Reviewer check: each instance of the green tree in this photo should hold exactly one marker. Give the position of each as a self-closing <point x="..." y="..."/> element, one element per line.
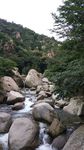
<point x="70" y="23"/>
<point x="6" y="65"/>
<point x="67" y="67"/>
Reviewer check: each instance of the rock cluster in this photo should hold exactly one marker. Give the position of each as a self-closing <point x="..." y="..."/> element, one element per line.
<point x="24" y="131"/>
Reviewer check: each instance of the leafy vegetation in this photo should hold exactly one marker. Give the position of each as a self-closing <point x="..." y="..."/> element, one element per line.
<point x="6" y="65"/>
<point x="62" y="62"/>
<point x="66" y="69"/>
<point x="23" y="47"/>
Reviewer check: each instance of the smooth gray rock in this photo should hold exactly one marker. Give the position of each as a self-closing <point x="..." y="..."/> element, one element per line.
<point x="33" y="79"/>
<point x="5" y="122"/>
<point x="76" y="106"/>
<point x="56" y="128"/>
<point x="76" y="140"/>
<point x="43" y="112"/>
<point x="8" y="84"/>
<point x="23" y="134"/>
<point x="59" y="142"/>
<point x="14" y="97"/>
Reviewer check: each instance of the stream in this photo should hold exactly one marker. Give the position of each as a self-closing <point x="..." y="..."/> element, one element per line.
<point x="30" y="98"/>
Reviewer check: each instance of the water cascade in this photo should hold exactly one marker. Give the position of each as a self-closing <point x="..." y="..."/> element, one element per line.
<point x="30" y="99"/>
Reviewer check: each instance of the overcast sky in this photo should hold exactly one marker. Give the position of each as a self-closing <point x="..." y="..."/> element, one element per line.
<point x="34" y="14"/>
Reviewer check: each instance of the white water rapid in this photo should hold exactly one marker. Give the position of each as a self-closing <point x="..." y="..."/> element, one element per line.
<point x="30" y="99"/>
<point x="44" y="137"/>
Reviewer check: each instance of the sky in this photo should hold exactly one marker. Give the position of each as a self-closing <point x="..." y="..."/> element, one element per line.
<point x="34" y="14"/>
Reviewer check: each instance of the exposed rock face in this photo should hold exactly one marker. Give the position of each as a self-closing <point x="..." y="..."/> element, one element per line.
<point x="59" y="142"/>
<point x="8" y="47"/>
<point x="76" y="140"/>
<point x="14" y="97"/>
<point x="5" y="122"/>
<point x="43" y="112"/>
<point x="18" y="36"/>
<point x="9" y="84"/>
<point x="76" y="106"/>
<point x="23" y="134"/>
<point x="33" y="78"/>
<point x="56" y="128"/>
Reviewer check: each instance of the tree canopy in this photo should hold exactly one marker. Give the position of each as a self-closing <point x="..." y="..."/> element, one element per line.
<point x="70" y="20"/>
<point x="23" y="47"/>
<point x="67" y="67"/>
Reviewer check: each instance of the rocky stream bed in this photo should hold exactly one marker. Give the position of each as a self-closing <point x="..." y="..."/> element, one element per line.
<point x="34" y="119"/>
<point x="46" y="141"/>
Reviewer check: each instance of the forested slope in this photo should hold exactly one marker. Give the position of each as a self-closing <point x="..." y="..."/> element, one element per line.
<point x="23" y="48"/>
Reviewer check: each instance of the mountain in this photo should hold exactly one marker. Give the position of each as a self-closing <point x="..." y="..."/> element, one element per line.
<point x="24" y="48"/>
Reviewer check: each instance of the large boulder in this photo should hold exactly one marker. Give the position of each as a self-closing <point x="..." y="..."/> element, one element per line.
<point x="14" y="97"/>
<point x="56" y="128"/>
<point x="45" y="100"/>
<point x="76" y="106"/>
<point x="59" y="142"/>
<point x="17" y="77"/>
<point x="5" y="122"/>
<point x="76" y="140"/>
<point x="18" y="106"/>
<point x="41" y="95"/>
<point x="8" y="84"/>
<point x="33" y="78"/>
<point x="43" y="112"/>
<point x="43" y="87"/>
<point x="68" y="119"/>
<point x="23" y="134"/>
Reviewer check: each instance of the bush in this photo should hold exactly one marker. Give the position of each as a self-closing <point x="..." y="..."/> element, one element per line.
<point x="66" y="70"/>
<point x="6" y="65"/>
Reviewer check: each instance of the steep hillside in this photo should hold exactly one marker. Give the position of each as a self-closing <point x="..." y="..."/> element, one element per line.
<point x="24" y="48"/>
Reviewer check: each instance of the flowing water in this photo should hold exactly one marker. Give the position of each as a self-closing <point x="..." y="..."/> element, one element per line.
<point x="30" y="99"/>
<point x="4" y="141"/>
<point x="44" y="138"/>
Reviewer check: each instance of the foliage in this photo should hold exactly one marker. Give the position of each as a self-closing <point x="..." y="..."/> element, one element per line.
<point x="70" y="19"/>
<point x="6" y="65"/>
<point x="66" y="69"/>
<point x="24" y="47"/>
